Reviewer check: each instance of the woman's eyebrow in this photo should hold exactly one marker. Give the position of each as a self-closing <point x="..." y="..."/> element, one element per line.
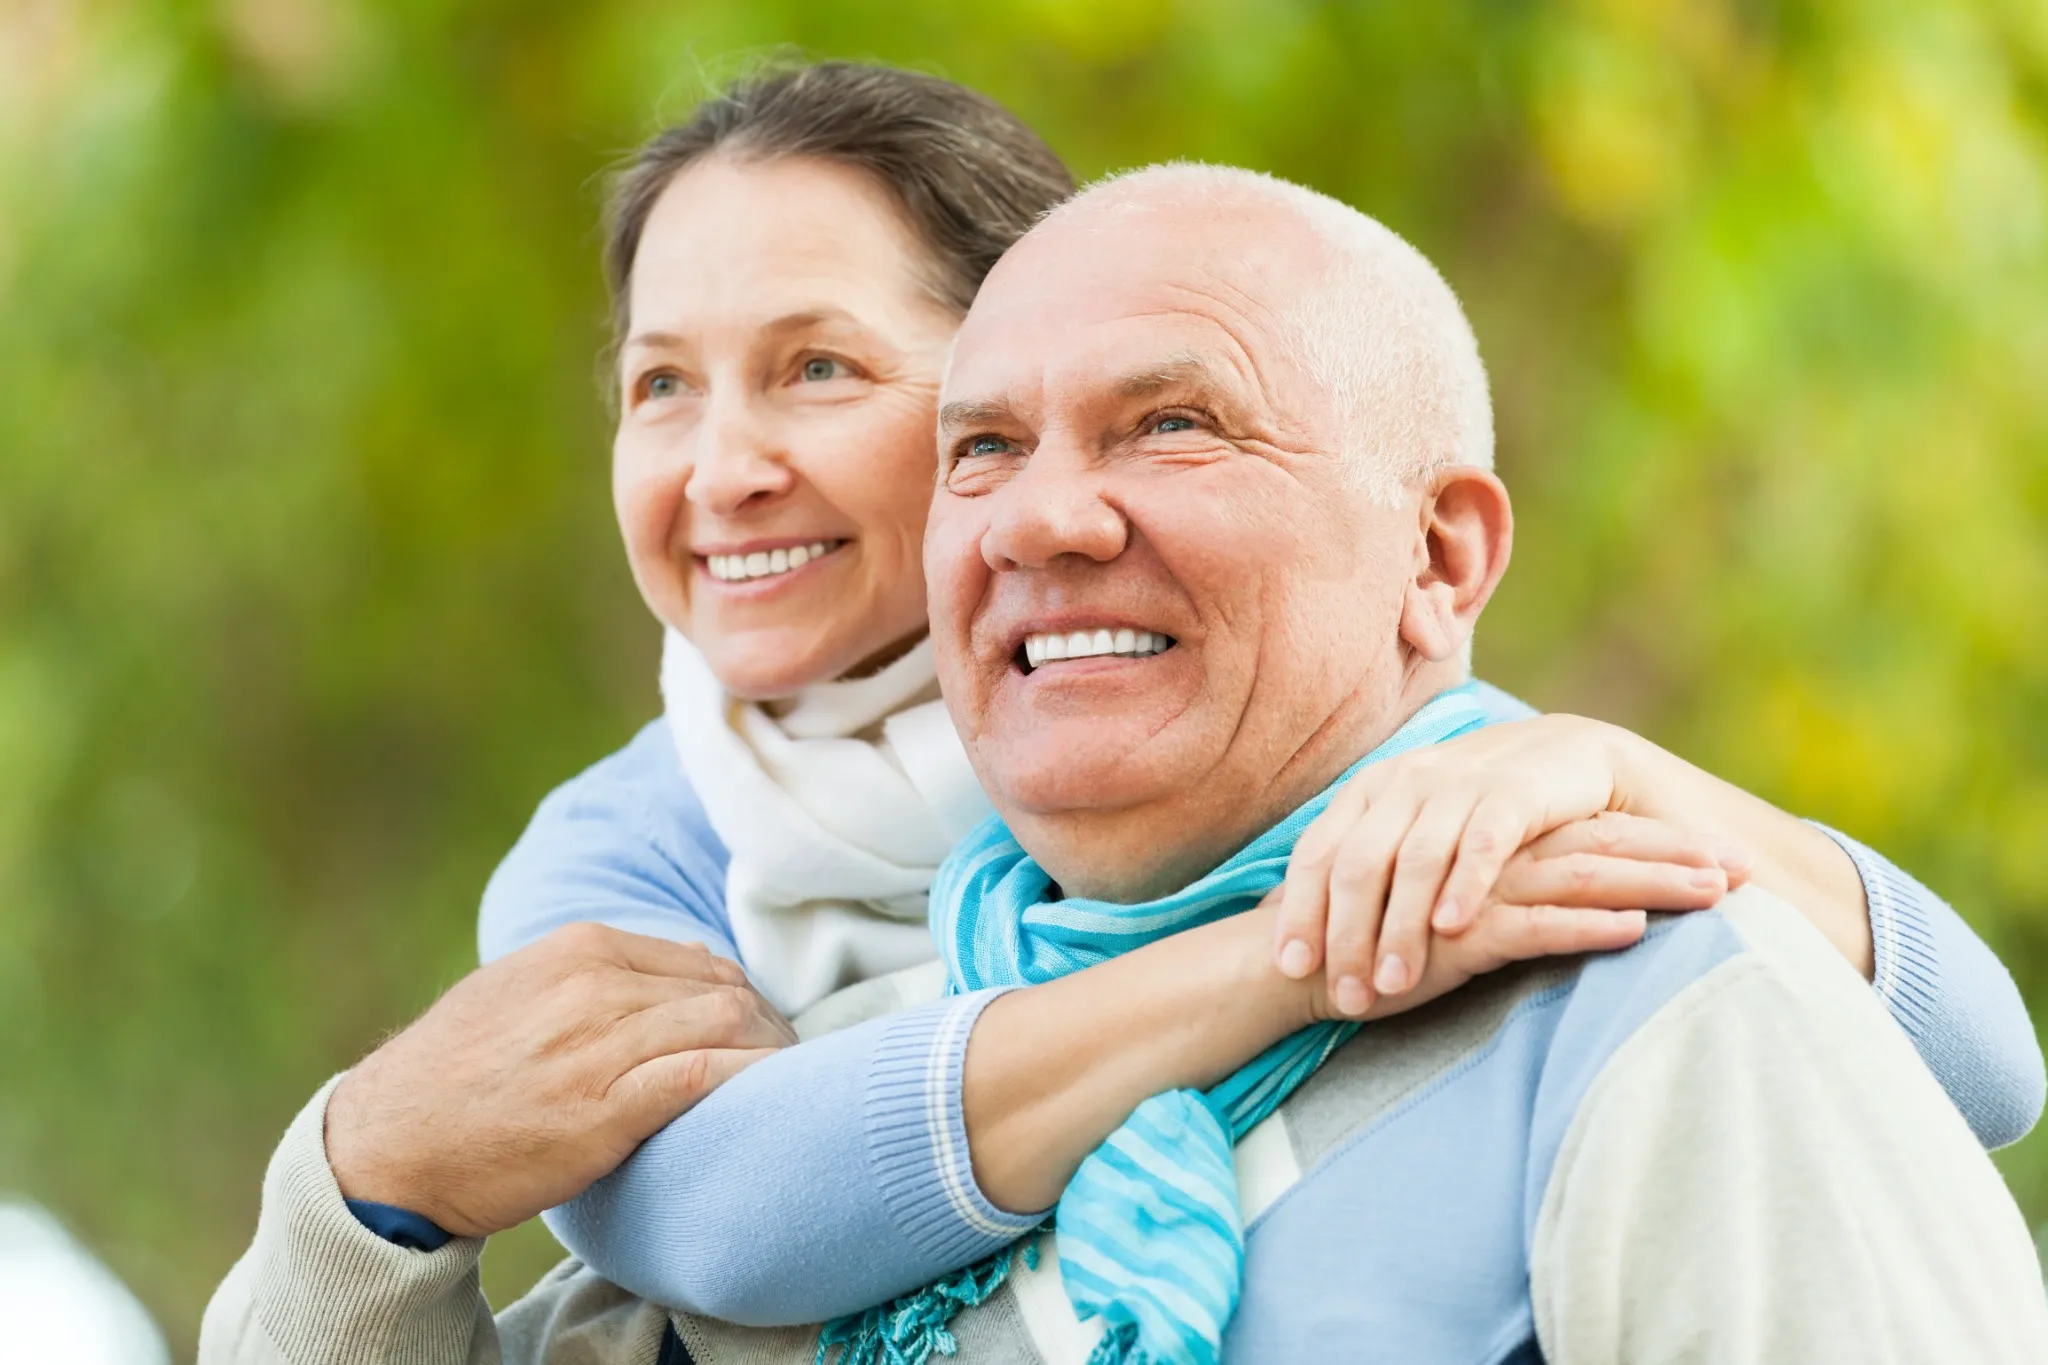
<point x="799" y="321"/>
<point x="652" y="341"/>
<point x="807" y="318"/>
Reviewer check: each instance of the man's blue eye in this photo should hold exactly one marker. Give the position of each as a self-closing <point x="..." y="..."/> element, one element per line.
<point x="820" y="368"/>
<point x="1174" y="424"/>
<point x="664" y="386"/>
<point x="987" y="445"/>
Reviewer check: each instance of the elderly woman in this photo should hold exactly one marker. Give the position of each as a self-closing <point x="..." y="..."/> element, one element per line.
<point x="788" y="268"/>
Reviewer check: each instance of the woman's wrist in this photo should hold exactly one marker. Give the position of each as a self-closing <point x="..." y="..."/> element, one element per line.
<point x="1786" y="856"/>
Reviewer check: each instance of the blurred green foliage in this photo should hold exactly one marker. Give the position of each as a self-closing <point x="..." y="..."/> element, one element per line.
<point x="308" y="587"/>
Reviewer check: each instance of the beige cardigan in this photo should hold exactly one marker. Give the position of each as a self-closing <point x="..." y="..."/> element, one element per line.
<point x="1897" y="1240"/>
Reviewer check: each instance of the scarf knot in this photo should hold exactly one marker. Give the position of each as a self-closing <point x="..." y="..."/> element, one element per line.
<point x="1150" y="1237"/>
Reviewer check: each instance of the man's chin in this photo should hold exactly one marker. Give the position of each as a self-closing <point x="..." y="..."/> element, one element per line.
<point x="1071" y="766"/>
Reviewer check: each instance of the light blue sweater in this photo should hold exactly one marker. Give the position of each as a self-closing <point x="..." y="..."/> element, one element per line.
<point x="835" y="1174"/>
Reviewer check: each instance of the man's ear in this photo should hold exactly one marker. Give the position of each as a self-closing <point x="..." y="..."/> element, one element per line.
<point x="1468" y="531"/>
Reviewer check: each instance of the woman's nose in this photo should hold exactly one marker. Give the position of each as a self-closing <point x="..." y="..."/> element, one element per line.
<point x="737" y="462"/>
<point x="1052" y="507"/>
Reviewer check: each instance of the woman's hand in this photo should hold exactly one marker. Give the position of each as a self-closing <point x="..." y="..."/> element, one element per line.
<point x="1583" y="888"/>
<point x="1415" y="844"/>
<point x="537" y="1074"/>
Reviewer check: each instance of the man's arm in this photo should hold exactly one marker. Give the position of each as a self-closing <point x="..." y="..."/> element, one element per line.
<point x="1765" y="1172"/>
<point x="318" y="1288"/>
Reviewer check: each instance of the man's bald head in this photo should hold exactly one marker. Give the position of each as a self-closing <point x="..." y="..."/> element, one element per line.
<point x="1212" y="516"/>
<point x="1370" y="318"/>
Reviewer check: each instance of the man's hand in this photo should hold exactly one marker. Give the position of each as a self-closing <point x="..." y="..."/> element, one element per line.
<point x="535" y="1075"/>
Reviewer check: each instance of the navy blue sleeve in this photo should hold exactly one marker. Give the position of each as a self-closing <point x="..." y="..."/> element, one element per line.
<point x="401" y="1227"/>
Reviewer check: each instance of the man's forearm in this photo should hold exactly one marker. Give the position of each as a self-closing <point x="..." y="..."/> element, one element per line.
<point x="318" y="1288"/>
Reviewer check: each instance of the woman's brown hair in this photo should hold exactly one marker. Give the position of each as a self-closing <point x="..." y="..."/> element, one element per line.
<point x="971" y="177"/>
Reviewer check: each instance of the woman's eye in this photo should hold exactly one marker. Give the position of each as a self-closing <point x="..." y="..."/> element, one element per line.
<point x="663" y="386"/>
<point x="820" y="368"/>
<point x="1171" y="424"/>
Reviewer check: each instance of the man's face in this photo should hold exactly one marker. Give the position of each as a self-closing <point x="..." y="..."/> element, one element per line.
<point x="1127" y="449"/>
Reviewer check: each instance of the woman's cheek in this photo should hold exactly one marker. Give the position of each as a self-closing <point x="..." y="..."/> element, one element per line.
<point x="646" y="508"/>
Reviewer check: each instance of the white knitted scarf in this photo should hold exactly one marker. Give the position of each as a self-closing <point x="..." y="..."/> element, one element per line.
<point x="836" y="807"/>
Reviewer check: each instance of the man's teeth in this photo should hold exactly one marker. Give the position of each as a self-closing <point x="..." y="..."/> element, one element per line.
<point x="767" y="563"/>
<point x="1089" y="644"/>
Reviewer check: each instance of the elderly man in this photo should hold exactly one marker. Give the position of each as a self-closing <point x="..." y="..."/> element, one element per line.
<point x="1712" y="1146"/>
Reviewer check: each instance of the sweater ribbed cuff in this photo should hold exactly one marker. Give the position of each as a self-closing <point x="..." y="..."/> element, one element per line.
<point x="327" y="1289"/>
<point x="1906" y="962"/>
<point x="917" y="1135"/>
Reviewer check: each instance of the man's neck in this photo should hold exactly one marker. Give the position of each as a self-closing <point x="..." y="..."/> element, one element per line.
<point x="1145" y="853"/>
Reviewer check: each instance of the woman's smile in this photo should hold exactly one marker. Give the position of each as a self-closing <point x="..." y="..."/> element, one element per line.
<point x="755" y="568"/>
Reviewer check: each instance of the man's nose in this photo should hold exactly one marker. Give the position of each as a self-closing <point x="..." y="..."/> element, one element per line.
<point x="736" y="461"/>
<point x="1054" y="506"/>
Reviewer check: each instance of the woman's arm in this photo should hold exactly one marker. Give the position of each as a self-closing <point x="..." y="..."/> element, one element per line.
<point x="1954" y="998"/>
<point x="1427" y="832"/>
<point x="1950" y="993"/>
<point x="847" y="1170"/>
<point x="837" y="1174"/>
<point x="850" y="1146"/>
<point x="771" y="1173"/>
<point x="624" y="843"/>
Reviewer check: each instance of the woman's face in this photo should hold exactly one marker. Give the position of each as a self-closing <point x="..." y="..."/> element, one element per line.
<point x="775" y="452"/>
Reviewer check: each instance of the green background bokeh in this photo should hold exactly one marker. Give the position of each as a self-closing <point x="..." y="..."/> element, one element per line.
<point x="308" y="583"/>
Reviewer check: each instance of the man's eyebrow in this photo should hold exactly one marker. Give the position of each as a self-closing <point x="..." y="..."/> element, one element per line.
<point x="798" y="321"/>
<point x="985" y="412"/>
<point x="1183" y="369"/>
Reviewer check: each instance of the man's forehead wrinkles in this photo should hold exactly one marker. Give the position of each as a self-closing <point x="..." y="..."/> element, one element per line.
<point x="1248" y="342"/>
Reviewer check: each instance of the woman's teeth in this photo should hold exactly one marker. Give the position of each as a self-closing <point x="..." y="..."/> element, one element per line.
<point x="1089" y="644"/>
<point x="767" y="563"/>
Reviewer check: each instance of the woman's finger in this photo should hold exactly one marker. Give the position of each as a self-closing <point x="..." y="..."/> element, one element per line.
<point x="1421" y="863"/>
<point x="1305" y="894"/>
<point x="1359" y="875"/>
<point x="1519" y="933"/>
<point x="1614" y="834"/>
<point x="1491" y="836"/>
<point x="1592" y="881"/>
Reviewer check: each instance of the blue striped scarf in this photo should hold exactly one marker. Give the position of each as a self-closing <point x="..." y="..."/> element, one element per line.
<point x="1150" y="1238"/>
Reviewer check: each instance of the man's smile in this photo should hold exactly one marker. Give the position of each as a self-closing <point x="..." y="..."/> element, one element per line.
<point x="1111" y="642"/>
